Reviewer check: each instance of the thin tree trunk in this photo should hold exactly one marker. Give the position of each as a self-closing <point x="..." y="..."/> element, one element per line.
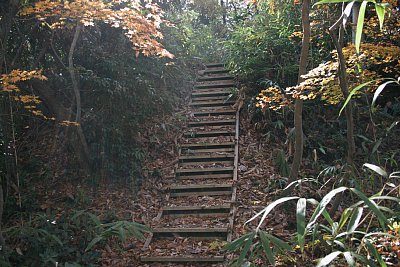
<point x="84" y="154"/>
<point x="298" y="106"/>
<point x="344" y="87"/>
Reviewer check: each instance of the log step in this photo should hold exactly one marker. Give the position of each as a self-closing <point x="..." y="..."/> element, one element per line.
<point x="215" y="71"/>
<point x="215" y="65"/>
<point x="196" y="211"/>
<point x="212" y="123"/>
<point x="207" y="113"/>
<point x="206" y="158"/>
<point x="220" y="84"/>
<point x="203" y="170"/>
<point x="213" y="104"/>
<point x="183" y="259"/>
<point x="208" y="145"/>
<point x="214" y="78"/>
<point x="215" y="92"/>
<point x="208" y="134"/>
<point x="209" y="98"/>
<point x="195" y="233"/>
<point x="199" y="187"/>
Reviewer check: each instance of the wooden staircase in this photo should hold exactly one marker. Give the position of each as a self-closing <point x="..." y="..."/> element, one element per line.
<point x="199" y="205"/>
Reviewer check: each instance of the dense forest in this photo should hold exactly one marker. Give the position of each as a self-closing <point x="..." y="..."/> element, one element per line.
<point x="94" y="96"/>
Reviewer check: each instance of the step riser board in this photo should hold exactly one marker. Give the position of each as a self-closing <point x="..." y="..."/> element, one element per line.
<point x="208" y="134"/>
<point x="196" y="211"/>
<point x="180" y="259"/>
<point x="212" y="123"/>
<point x="215" y="78"/>
<point x="205" y="93"/>
<point x="216" y="85"/>
<point x="214" y="113"/>
<point x="213" y="104"/>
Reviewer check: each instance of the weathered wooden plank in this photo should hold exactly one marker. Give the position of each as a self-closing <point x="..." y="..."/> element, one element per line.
<point x="215" y="85"/>
<point x="208" y="145"/>
<point x="207" y="113"/>
<point x="180" y="211"/>
<point x="183" y="259"/>
<point x="208" y="134"/>
<point x="199" y="186"/>
<point x="212" y="123"/>
<point x="213" y="103"/>
<point x="206" y="176"/>
<point x="215" y="78"/>
<point x="202" y="193"/>
<point x="215" y="65"/>
<point x="198" y="233"/>
<point x="209" y="98"/>
<point x="216" y="70"/>
<point x="203" y="170"/>
<point x="206" y="158"/>
<point x="213" y="92"/>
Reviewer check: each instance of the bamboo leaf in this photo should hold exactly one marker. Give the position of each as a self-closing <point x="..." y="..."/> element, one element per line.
<point x="379" y="90"/>
<point x="375" y="253"/>
<point x="328" y="258"/>
<point x="332" y="2"/>
<point x="376" y="169"/>
<point x="279" y="243"/>
<point x="347" y="12"/>
<point x="355" y="90"/>
<point x="322" y="205"/>
<point x="246" y="248"/>
<point x="380" y="11"/>
<point x="360" y="25"/>
<point x="344" y="217"/>
<point x="355" y="219"/>
<point x="268" y="251"/>
<point x="349" y="258"/>
<point x="301" y="221"/>
<point x="268" y="209"/>
<point x="372" y="205"/>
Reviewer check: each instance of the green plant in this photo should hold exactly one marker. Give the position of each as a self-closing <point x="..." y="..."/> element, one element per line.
<point x="352" y="235"/>
<point x="68" y="238"/>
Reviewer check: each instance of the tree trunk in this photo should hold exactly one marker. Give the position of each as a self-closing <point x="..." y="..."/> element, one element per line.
<point x="344" y="87"/>
<point x="298" y="107"/>
<point x="78" y="131"/>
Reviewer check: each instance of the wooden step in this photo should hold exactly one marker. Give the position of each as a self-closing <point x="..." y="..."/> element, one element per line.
<point x="206" y="158"/>
<point x="208" y="134"/>
<point x="215" y="92"/>
<point x="215" y="65"/>
<point x="205" y="176"/>
<point x="207" y="113"/>
<point x="215" y="70"/>
<point x="210" y="98"/>
<point x="203" y="171"/>
<point x="199" y="233"/>
<point x="212" y="123"/>
<point x="214" y="78"/>
<point x="199" y="187"/>
<point x="208" y="145"/>
<point x="183" y="259"/>
<point x="220" y="84"/>
<point x="216" y="103"/>
<point x="196" y="211"/>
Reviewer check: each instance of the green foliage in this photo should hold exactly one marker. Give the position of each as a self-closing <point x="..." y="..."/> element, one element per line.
<point x="68" y="238"/>
<point x="352" y="235"/>
<point x="260" y="47"/>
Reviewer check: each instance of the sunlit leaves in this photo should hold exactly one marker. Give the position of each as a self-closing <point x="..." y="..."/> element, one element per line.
<point x="140" y="23"/>
<point x="9" y="81"/>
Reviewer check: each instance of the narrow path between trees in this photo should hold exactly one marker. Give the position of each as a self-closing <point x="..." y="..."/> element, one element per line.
<point x="197" y="218"/>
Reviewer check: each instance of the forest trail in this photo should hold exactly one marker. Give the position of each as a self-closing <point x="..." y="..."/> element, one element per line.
<point x="197" y="218"/>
